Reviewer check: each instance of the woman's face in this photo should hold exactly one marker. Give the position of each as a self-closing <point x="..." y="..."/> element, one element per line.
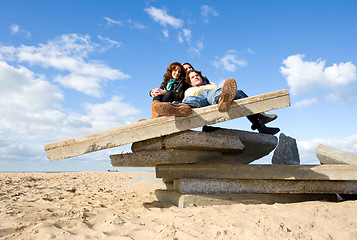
<point x="176" y="72"/>
<point x="187" y="67"/>
<point x="195" y="79"/>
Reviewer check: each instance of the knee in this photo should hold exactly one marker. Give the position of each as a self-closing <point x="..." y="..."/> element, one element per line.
<point x="167" y="97"/>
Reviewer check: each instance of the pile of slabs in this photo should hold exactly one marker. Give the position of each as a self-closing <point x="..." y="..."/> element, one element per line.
<point x="212" y="167"/>
<point x="206" y="168"/>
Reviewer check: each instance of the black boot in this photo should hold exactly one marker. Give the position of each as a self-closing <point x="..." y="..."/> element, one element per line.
<point x="257" y="124"/>
<point x="263" y="118"/>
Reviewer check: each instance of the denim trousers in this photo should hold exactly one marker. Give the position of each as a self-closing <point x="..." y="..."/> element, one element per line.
<point x="209" y="97"/>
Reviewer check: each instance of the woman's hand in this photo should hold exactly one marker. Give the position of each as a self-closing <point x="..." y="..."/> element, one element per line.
<point x="157" y="91"/>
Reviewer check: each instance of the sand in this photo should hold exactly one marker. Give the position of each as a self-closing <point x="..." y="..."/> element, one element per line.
<point x="122" y="205"/>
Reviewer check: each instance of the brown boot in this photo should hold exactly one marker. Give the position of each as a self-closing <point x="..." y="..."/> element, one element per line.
<point x="160" y="109"/>
<point x="229" y="91"/>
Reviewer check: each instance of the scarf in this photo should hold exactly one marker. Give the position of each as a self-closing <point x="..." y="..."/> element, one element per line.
<point x="169" y="84"/>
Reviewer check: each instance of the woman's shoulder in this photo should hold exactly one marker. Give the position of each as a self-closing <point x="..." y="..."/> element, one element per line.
<point x="205" y="80"/>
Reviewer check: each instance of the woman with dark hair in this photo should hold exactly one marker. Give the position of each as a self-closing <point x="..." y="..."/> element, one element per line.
<point x="173" y="87"/>
<point x="188" y="67"/>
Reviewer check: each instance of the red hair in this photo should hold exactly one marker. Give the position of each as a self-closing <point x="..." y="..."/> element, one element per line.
<point x="168" y="74"/>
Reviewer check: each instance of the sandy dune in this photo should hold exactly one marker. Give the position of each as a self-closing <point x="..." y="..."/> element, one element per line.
<point x="121" y="205"/>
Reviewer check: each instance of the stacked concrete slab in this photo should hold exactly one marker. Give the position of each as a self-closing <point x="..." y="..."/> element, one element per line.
<point x="211" y="167"/>
<point x="190" y="147"/>
<point x="195" y="146"/>
<point x="226" y="183"/>
<point x="221" y="175"/>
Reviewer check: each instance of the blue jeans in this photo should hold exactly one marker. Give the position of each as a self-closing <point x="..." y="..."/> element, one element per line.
<point x="209" y="97"/>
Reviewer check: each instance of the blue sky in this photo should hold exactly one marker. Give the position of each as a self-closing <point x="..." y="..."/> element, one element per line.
<point x="69" y="68"/>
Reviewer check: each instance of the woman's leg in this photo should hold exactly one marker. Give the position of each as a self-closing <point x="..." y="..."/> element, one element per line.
<point x="167" y="97"/>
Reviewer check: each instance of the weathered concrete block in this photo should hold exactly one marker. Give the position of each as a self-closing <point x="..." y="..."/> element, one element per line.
<point x="286" y="152"/>
<point x="187" y="200"/>
<point x="192" y="140"/>
<point x="256" y="145"/>
<point x="221" y="169"/>
<point x="161" y="126"/>
<point x="232" y="186"/>
<point x="329" y="155"/>
<point x="156" y="157"/>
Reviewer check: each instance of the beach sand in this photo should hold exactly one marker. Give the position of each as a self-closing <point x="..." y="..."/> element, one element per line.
<point x="122" y="205"/>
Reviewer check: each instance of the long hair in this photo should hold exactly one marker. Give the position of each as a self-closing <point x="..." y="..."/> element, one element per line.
<point x="186" y="63"/>
<point x="184" y="72"/>
<point x="168" y="74"/>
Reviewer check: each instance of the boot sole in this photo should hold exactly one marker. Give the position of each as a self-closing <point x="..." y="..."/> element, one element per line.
<point x="268" y="130"/>
<point x="229" y="91"/>
<point x="167" y="109"/>
<point x="269" y="120"/>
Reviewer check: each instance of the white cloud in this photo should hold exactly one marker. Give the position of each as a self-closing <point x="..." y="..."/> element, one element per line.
<point x="15" y="29"/>
<point x="128" y="23"/>
<point x="163" y="18"/>
<point x="31" y="115"/>
<point x="195" y="50"/>
<point x="89" y="85"/>
<point x="112" y="21"/>
<point x="165" y="32"/>
<point x="68" y="53"/>
<point x="307" y="148"/>
<point x="206" y="11"/>
<point x="306" y="102"/>
<point x="27" y="102"/>
<point x="346" y="96"/>
<point x="12" y="150"/>
<point x="184" y="35"/>
<point x="304" y="75"/>
<point x="229" y="62"/>
<point x="200" y="45"/>
<point x="7" y="52"/>
<point x="109" y="41"/>
<point x="21" y="88"/>
<point x="135" y="25"/>
<point x="106" y="115"/>
<point x="251" y="51"/>
<point x="187" y="35"/>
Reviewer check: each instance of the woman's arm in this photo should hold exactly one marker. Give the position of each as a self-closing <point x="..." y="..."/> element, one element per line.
<point x="157" y="91"/>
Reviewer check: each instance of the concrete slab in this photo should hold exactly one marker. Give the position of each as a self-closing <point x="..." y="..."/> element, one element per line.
<point x="191" y="140"/>
<point x="286" y="153"/>
<point x="234" y="186"/>
<point x="329" y="155"/>
<point x="164" y="125"/>
<point x="231" y="170"/>
<point x="166" y="156"/>
<point x="256" y="145"/>
<point x="189" y="200"/>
